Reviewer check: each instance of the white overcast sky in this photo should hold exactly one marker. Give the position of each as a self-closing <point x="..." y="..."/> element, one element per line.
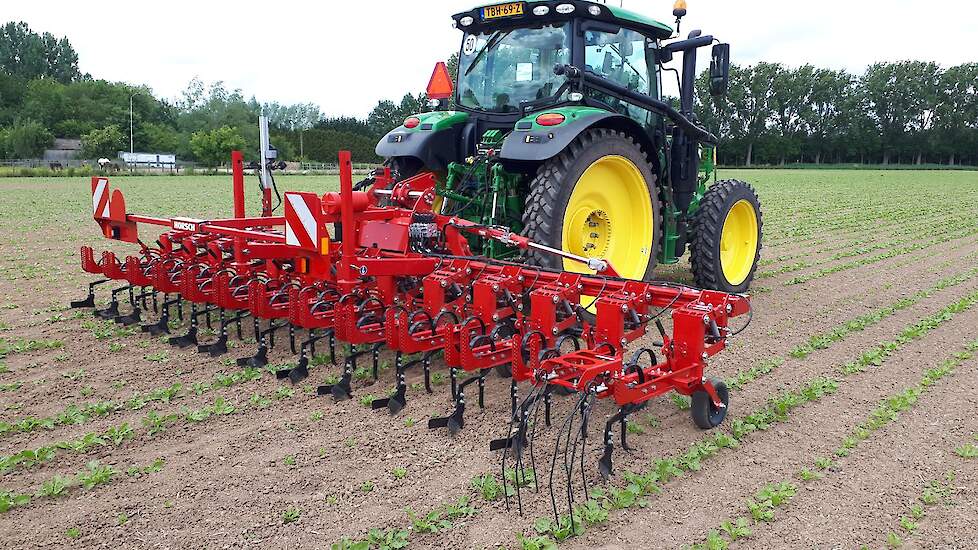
<point x="346" y="55"/>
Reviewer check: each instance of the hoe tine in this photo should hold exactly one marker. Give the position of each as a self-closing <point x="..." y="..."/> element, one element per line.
<point x="301" y="370"/>
<point x="215" y="348"/>
<point x="160" y="327"/>
<point x="109" y="312"/>
<point x="298" y="374"/>
<point x="342" y="389"/>
<point x="130" y="319"/>
<point x="398" y="401"/>
<point x="258" y="360"/>
<point x="189" y="339"/>
<point x="89" y="300"/>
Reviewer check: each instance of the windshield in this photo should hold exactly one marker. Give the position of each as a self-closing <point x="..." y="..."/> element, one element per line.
<point x="499" y="70"/>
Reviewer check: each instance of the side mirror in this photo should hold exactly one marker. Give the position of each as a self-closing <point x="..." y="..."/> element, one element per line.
<point x="719" y="69"/>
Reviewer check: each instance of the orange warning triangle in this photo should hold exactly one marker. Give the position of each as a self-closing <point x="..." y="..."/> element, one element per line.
<point x="440" y="85"/>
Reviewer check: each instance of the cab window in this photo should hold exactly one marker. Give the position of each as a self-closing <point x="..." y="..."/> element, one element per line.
<point x="621" y="58"/>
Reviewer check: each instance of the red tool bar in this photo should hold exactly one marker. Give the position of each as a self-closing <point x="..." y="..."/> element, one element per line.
<point x="346" y="214"/>
<point x="237" y="176"/>
<point x="216" y="227"/>
<point x="246" y="233"/>
<point x="246" y="223"/>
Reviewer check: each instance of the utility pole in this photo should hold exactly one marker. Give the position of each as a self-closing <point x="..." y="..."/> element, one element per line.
<point x="131" y="148"/>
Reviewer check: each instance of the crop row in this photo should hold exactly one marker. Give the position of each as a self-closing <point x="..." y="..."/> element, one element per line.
<point x="851" y="249"/>
<point x="74" y="415"/>
<point x="879" y="257"/>
<point x="762" y="506"/>
<point x="93" y="475"/>
<point x="641" y="485"/>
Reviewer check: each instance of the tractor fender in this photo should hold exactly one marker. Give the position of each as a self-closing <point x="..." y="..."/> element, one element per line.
<point x="533" y="142"/>
<point x="434" y="140"/>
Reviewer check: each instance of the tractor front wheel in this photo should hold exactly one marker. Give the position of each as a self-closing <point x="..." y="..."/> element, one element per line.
<point x="726" y="240"/>
<point x="597" y="199"/>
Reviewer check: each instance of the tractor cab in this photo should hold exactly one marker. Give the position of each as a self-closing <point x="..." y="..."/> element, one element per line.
<point x="556" y="128"/>
<point x="509" y="51"/>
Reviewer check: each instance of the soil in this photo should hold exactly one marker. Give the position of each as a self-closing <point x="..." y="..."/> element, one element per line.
<point x="226" y="481"/>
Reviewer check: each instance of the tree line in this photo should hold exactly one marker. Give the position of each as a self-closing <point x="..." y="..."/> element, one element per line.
<point x="904" y="112"/>
<point x="909" y="112"/>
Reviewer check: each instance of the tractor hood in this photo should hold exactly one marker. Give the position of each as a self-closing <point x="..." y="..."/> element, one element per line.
<point x="522" y="14"/>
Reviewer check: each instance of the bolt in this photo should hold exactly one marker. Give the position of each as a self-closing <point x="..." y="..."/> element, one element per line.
<point x="624" y="308"/>
<point x="706" y="319"/>
<point x="495" y="316"/>
<point x="556" y="299"/>
<point x="729" y="308"/>
<point x="495" y="288"/>
<point x="705" y="355"/>
<point x="555" y="331"/>
<point x="594" y="235"/>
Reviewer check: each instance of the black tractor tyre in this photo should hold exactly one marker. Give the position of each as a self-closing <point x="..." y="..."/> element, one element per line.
<point x="404" y="167"/>
<point x="705" y="414"/>
<point x="551" y="189"/>
<point x="707" y="227"/>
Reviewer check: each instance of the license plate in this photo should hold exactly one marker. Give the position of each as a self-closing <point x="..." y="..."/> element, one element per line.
<point x="502" y="10"/>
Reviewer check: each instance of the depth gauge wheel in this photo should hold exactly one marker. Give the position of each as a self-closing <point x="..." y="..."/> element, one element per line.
<point x="705" y="414"/>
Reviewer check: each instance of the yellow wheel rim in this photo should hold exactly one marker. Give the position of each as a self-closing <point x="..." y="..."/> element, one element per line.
<point x="609" y="216"/>
<point x="738" y="242"/>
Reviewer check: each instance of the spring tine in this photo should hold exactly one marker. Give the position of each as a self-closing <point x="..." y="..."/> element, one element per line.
<point x="292" y="338"/>
<point x="375" y="357"/>
<point x="482" y="389"/>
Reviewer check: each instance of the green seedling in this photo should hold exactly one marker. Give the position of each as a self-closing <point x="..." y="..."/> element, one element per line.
<point x="291" y="515"/>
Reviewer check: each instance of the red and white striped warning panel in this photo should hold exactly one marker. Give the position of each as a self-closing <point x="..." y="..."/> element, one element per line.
<point x="100" y="197"/>
<point x="303" y="213"/>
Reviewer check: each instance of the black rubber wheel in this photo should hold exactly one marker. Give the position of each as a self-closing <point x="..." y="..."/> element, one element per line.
<point x="705" y="414"/>
<point x="556" y="179"/>
<point x="737" y="200"/>
<point x="405" y="167"/>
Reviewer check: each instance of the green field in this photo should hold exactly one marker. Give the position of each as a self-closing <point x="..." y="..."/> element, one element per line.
<point x="851" y="420"/>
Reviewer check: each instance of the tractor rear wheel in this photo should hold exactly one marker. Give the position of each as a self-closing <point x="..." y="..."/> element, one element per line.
<point x="726" y="240"/>
<point x="598" y="199"/>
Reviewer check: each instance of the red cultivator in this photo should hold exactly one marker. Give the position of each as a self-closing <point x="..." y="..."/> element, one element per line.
<point x="398" y="275"/>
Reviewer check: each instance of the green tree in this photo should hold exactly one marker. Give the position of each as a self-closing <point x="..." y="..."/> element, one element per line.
<point x="213" y="148"/>
<point x="25" y="139"/>
<point x="103" y="142"/>
<point x="790" y="99"/>
<point x="750" y="94"/>
<point x="956" y="115"/>
<point x="823" y="116"/>
<point x="28" y="55"/>
<point x="901" y="99"/>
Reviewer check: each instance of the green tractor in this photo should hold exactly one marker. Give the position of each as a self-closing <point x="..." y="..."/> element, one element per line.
<point x="556" y="128"/>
